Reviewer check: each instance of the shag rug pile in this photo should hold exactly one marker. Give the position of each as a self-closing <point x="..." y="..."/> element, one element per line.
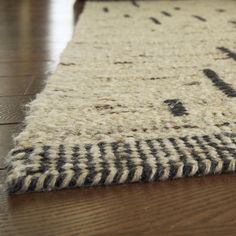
<point x="145" y="91"/>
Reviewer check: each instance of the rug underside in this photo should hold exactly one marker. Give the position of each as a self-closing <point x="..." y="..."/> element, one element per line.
<point x="145" y="91"/>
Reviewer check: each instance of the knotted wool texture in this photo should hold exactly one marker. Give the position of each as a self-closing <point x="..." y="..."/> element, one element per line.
<point x="145" y="91"/>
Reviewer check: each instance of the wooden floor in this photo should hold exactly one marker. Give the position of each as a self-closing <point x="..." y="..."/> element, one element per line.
<point x="32" y="36"/>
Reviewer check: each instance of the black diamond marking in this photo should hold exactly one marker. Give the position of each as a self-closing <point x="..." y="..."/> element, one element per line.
<point x="176" y="107"/>
<point x="219" y="83"/>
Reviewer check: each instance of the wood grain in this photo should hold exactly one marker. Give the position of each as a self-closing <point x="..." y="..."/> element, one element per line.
<point x="12" y="109"/>
<point x="193" y="206"/>
<point x="6" y="142"/>
<point x="33" y="34"/>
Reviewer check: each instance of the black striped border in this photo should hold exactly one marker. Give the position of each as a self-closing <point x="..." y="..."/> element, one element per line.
<point x="44" y="168"/>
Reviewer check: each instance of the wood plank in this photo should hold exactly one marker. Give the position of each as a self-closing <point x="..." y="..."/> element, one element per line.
<point x="13" y="86"/>
<point x="26" y="68"/>
<point x="191" y="206"/>
<point x="21" y="85"/>
<point x="7" y="132"/>
<point x="12" y="109"/>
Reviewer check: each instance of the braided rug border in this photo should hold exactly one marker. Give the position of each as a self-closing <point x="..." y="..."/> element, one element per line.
<point x="46" y="168"/>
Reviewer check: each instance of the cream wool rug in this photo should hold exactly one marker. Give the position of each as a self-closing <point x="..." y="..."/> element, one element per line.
<point x="145" y="91"/>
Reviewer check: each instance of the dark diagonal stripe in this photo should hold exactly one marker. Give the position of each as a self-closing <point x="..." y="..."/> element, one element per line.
<point x="220" y="151"/>
<point x="104" y="163"/>
<point x="206" y="151"/>
<point x="154" y="152"/>
<point x="60" y="165"/>
<point x="155" y="21"/>
<point x="233" y="22"/>
<point x="228" y="52"/>
<point x="187" y="167"/>
<point x="219" y="83"/>
<point x="172" y="164"/>
<point x="127" y="155"/>
<point x="90" y="165"/>
<point x="199" y="18"/>
<point x="33" y="183"/>
<point x="44" y="163"/>
<point x="194" y="154"/>
<point x="75" y="162"/>
<point x="165" y="13"/>
<point x="61" y="158"/>
<point x="135" y="3"/>
<point x="118" y="164"/>
<point x="231" y="150"/>
<point x="147" y="169"/>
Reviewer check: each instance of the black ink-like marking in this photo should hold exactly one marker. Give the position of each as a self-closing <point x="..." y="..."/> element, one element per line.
<point x="193" y="83"/>
<point x="134" y="3"/>
<point x="165" y="13"/>
<point x="153" y="19"/>
<point x="219" y="83"/>
<point x="67" y="64"/>
<point x="228" y="52"/>
<point x="177" y="8"/>
<point x="123" y="62"/>
<point x="126" y="15"/>
<point x="176" y="107"/>
<point x="233" y="22"/>
<point x="199" y="18"/>
<point x="105" y="9"/>
<point x="220" y="10"/>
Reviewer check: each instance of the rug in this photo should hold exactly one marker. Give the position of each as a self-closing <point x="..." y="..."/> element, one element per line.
<point x="145" y="91"/>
